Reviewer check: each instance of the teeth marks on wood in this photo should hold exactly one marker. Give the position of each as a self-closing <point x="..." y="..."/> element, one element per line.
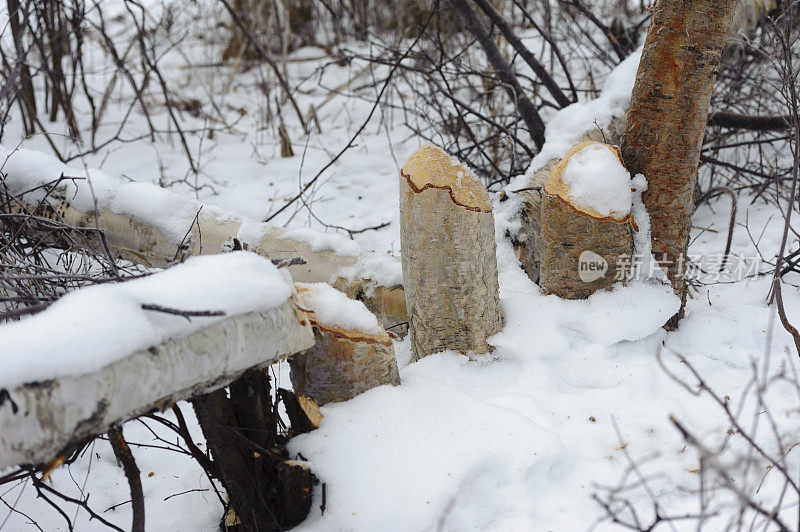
<point x="343" y="363"/>
<point x="448" y="255"/>
<point x="578" y="248"/>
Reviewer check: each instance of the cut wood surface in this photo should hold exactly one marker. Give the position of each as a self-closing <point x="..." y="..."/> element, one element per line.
<point x="448" y="255"/>
<point x="667" y="119"/>
<point x="41" y="419"/>
<point x="579" y="247"/>
<point x="344" y="361"/>
<point x="527" y="239"/>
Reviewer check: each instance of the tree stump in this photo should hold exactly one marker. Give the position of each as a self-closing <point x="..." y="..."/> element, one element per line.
<point x="579" y="247"/>
<point x="448" y="255"/>
<point x="352" y="354"/>
<point x="530" y="232"/>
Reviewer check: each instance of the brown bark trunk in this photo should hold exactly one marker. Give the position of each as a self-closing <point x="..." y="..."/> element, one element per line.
<point x="579" y="249"/>
<point x="266" y="490"/>
<point x="448" y="255"/>
<point x="667" y="119"/>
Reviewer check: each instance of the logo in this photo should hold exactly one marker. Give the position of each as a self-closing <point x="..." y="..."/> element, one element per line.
<point x="591" y="266"/>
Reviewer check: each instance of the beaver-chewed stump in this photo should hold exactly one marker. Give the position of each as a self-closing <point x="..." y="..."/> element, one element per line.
<point x="352" y="354"/>
<point x="448" y="255"/>
<point x="580" y="248"/>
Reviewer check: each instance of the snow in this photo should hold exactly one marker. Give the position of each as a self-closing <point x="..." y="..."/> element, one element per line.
<point x="383" y="270"/>
<point x="521" y="441"/>
<point x="95" y="326"/>
<point x="568" y="125"/>
<point x="332" y="308"/>
<point x="598" y="181"/>
<point x="335" y="242"/>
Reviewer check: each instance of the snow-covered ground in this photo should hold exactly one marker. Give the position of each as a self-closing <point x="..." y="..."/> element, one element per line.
<point x="574" y="392"/>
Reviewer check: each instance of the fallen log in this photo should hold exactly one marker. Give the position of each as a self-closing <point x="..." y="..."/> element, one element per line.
<point x="41" y="419"/>
<point x="149" y="225"/>
<point x="448" y="255"/>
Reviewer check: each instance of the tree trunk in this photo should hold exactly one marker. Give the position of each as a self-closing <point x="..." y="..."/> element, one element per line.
<point x="667" y="119"/>
<point x="579" y="249"/>
<point x="344" y="362"/>
<point x="448" y="255"/>
<point x="267" y="490"/>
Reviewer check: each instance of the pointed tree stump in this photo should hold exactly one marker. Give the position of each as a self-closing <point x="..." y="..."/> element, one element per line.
<point x="448" y="255"/>
<point x="579" y="247"/>
<point x="346" y="360"/>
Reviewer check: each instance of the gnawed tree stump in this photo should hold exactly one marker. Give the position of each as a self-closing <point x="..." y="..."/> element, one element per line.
<point x="530" y="232"/>
<point x="579" y="247"/>
<point x="448" y="255"/>
<point x="352" y="354"/>
<point x="526" y="243"/>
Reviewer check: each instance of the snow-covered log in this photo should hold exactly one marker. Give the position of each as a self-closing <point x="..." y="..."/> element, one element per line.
<point x="352" y="354"/>
<point x="150" y="225"/>
<point x="448" y="255"/>
<point x="585" y="221"/>
<point x="96" y="358"/>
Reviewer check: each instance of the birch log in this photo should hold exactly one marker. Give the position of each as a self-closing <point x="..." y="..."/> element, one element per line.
<point x="345" y="360"/>
<point x="41" y="419"/>
<point x="140" y="240"/>
<point x="448" y="255"/>
<point x="579" y="247"/>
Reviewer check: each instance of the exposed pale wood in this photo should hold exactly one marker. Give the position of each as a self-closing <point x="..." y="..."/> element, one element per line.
<point x="667" y="119"/>
<point x="387" y="303"/>
<point x="52" y="415"/>
<point x="568" y="232"/>
<point x="448" y="255"/>
<point x="342" y="363"/>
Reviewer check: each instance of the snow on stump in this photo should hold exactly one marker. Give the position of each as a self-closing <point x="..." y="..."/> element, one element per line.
<point x="586" y="221"/>
<point x="352" y="354"/>
<point x="448" y="255"/>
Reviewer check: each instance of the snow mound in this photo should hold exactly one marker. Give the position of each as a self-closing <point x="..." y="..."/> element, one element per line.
<point x="334" y="309"/>
<point x="90" y="328"/>
<point x="598" y="181"/>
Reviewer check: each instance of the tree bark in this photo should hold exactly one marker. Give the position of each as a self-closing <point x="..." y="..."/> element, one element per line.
<point x="40" y="420"/>
<point x="266" y="490"/>
<point x="579" y="249"/>
<point x="667" y="119"/>
<point x="342" y="363"/>
<point x="448" y="255"/>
